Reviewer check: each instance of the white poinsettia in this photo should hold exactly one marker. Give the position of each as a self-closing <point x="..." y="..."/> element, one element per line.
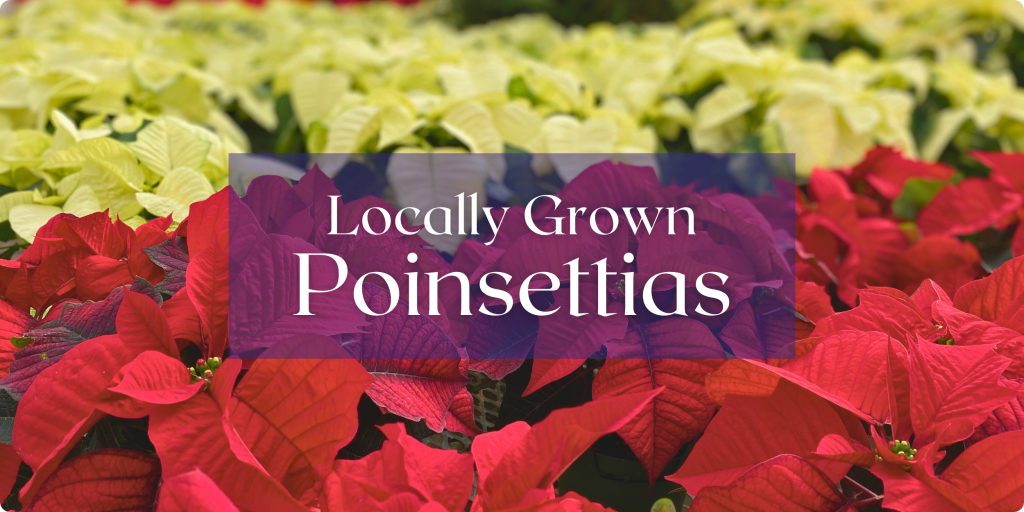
<point x="100" y="101"/>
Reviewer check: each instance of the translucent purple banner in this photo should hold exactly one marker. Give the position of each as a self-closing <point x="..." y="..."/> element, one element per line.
<point x="498" y="258"/>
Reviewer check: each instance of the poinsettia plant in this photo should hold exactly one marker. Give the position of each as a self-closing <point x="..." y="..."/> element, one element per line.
<point x="892" y="221"/>
<point x="123" y="388"/>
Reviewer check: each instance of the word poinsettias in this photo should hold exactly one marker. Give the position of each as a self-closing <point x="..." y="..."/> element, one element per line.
<point x="899" y="385"/>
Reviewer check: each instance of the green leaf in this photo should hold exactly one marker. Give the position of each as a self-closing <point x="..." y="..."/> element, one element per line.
<point x="663" y="505"/>
<point x="21" y="342"/>
<point x="316" y="137"/>
<point x="517" y="88"/>
<point x="916" y="194"/>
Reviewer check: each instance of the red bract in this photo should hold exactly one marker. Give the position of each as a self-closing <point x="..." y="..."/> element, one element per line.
<point x="83" y="258"/>
<point x="420" y="388"/>
<point x="813" y="304"/>
<point x="941" y="413"/>
<point x="947" y="261"/>
<point x="563" y="338"/>
<point x="682" y="410"/>
<point x="13" y="323"/>
<point x="976" y="204"/>
<point x="110" y="479"/>
<point x="192" y="492"/>
<point x="749" y="430"/>
<point x="206" y="279"/>
<point x="785" y="482"/>
<point x="274" y="222"/>
<point x="998" y="298"/>
<point x="9" y="464"/>
<point x="1008" y="417"/>
<point x="461" y="415"/>
<point x="405" y="469"/>
<point x="281" y="426"/>
<point x="883" y="310"/>
<point x="930" y="394"/>
<point x="517" y="466"/>
<point x="884" y="173"/>
<point x="841" y="368"/>
<point x="968" y="207"/>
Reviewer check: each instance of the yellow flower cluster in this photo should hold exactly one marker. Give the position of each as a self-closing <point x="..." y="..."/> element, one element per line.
<point x="132" y="108"/>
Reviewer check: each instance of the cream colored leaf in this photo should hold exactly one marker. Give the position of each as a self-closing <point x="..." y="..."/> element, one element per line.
<point x="730" y="50"/>
<point x="395" y="124"/>
<point x="155" y="74"/>
<point x="472" y="123"/>
<point x="186" y="187"/>
<point x="39" y="198"/>
<point x="566" y="134"/>
<point x="15" y="92"/>
<point x="947" y="124"/>
<point x="350" y="131"/>
<point x="165" y="145"/>
<point x="135" y="222"/>
<point x="518" y="124"/>
<point x="860" y="117"/>
<point x="26" y="219"/>
<point x="158" y="205"/>
<point x="83" y="201"/>
<point x="429" y="180"/>
<point x="725" y="103"/>
<point x="483" y="77"/>
<point x="456" y="81"/>
<point x="315" y="93"/>
<point x="67" y="134"/>
<point x="809" y="129"/>
<point x="573" y="146"/>
<point x="556" y="86"/>
<point x="112" y="191"/>
<point x="261" y="110"/>
<point x="12" y="199"/>
<point x="107" y="150"/>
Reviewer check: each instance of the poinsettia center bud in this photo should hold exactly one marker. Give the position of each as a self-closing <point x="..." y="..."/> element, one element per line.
<point x="945" y="340"/>
<point x="204" y="368"/>
<point x="618" y="290"/>
<point x="902" y="449"/>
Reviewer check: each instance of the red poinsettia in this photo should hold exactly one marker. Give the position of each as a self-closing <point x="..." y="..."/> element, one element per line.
<point x="919" y="372"/>
<point x="892" y="221"/>
<point x="72" y="261"/>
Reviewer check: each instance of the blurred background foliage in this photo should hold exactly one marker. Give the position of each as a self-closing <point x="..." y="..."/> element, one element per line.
<point x="569" y="12"/>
